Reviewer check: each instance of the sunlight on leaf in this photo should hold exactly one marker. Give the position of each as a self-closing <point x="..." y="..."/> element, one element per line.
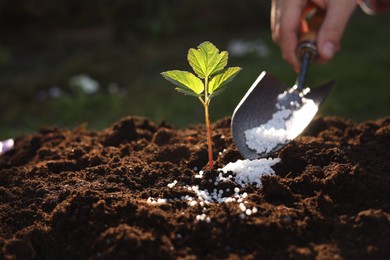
<point x="218" y="82"/>
<point x="206" y="60"/>
<point x="187" y="82"/>
<point x="196" y="60"/>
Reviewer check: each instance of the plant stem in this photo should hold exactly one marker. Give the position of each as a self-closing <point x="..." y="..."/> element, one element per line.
<point x="209" y="142"/>
<point x="208" y="128"/>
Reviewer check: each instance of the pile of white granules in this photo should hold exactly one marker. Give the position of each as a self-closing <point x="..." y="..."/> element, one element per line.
<point x="283" y="127"/>
<point x="243" y="172"/>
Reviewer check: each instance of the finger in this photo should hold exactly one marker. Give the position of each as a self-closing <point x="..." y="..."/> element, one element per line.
<point x="275" y="20"/>
<point x="289" y="29"/>
<point x="332" y="29"/>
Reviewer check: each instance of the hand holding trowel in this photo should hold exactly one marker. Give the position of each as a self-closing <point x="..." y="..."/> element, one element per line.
<point x="272" y="113"/>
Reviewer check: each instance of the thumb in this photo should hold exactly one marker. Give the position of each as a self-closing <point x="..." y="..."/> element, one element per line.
<point x="332" y="29"/>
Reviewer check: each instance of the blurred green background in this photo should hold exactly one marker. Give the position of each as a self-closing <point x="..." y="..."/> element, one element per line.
<point x="68" y="62"/>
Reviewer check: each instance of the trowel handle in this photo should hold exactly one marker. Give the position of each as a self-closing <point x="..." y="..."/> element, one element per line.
<point x="311" y="21"/>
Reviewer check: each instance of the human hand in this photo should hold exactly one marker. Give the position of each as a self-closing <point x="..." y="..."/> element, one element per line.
<point x="285" y="26"/>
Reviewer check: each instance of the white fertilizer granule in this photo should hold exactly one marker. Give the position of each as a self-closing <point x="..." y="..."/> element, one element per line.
<point x="170" y="185"/>
<point x="154" y="201"/>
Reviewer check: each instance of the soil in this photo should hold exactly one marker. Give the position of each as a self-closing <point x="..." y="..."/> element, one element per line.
<point x="80" y="194"/>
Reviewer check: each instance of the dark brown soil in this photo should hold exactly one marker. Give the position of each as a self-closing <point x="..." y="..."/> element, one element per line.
<point x="78" y="194"/>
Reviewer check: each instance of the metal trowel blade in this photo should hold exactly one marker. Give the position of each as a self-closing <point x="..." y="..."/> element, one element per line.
<point x="261" y="103"/>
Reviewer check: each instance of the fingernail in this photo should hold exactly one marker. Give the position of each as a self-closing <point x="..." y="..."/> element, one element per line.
<point x="328" y="50"/>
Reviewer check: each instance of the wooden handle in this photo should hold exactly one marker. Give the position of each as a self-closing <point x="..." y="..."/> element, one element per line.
<point x="311" y="21"/>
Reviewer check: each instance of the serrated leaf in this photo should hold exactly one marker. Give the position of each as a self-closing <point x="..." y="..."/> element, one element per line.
<point x="215" y="61"/>
<point x="219" y="81"/>
<point x="206" y="60"/>
<point x="219" y="63"/>
<point x="187" y="82"/>
<point x="196" y="60"/>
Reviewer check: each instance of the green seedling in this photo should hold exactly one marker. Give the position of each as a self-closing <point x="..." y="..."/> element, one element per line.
<point x="210" y="79"/>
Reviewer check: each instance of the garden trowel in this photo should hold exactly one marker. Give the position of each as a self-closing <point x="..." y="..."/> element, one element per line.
<point x="271" y="113"/>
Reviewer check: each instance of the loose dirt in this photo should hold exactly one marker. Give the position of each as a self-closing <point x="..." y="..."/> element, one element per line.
<point x="80" y="194"/>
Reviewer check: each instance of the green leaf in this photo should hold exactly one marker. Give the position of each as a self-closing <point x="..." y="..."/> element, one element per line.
<point x="218" y="82"/>
<point x="187" y="82"/>
<point x="215" y="61"/>
<point x="196" y="60"/>
<point x="219" y="63"/>
<point x="206" y="60"/>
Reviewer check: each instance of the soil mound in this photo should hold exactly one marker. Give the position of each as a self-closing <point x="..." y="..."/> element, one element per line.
<point x="127" y="192"/>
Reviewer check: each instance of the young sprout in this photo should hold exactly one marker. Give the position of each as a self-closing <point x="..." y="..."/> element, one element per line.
<point x="212" y="76"/>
